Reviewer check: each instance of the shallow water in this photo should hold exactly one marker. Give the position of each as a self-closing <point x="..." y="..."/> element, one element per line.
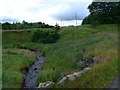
<point x="33" y="71"/>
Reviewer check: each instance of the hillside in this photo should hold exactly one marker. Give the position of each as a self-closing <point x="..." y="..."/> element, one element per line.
<point x="63" y="56"/>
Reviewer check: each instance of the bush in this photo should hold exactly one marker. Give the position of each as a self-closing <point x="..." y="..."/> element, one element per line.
<point x="57" y="27"/>
<point x="45" y="36"/>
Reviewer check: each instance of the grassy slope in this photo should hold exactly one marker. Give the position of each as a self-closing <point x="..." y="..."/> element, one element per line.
<point x="63" y="55"/>
<point x="0" y="59"/>
<point x="14" y="60"/>
<point x="100" y="75"/>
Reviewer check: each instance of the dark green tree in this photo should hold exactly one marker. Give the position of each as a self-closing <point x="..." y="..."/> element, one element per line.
<point x="103" y="13"/>
<point x="24" y="25"/>
<point x="6" y="26"/>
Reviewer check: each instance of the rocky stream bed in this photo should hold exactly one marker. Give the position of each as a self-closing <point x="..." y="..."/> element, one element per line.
<point x="31" y="76"/>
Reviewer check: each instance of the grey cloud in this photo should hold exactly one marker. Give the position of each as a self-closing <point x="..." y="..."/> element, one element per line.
<point x="80" y="9"/>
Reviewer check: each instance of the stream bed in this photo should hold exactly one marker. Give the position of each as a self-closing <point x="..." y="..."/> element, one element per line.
<point x="30" y="79"/>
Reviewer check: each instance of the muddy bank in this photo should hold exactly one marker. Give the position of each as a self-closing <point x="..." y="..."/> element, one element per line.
<point x="30" y="79"/>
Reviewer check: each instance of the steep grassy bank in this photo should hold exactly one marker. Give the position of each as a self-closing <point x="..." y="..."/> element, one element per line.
<point x="74" y="43"/>
<point x="15" y="62"/>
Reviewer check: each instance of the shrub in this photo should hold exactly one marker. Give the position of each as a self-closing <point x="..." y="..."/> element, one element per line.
<point x="45" y="36"/>
<point x="57" y="27"/>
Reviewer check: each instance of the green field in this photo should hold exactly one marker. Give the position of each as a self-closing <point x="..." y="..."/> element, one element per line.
<point x="74" y="43"/>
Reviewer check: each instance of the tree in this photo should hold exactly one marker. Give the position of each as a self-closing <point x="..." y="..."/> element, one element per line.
<point x="24" y="25"/>
<point x="19" y="26"/>
<point x="98" y="7"/>
<point x="6" y="26"/>
<point x="103" y="13"/>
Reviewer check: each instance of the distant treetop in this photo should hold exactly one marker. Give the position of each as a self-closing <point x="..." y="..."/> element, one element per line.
<point x="24" y="25"/>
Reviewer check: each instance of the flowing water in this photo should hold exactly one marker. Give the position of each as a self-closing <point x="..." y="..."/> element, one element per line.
<point x="33" y="71"/>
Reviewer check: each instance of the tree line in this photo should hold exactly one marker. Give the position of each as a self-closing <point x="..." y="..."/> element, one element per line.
<point x="103" y="13"/>
<point x="24" y="25"/>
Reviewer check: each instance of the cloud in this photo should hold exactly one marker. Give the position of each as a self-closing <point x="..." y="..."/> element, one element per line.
<point x="48" y="11"/>
<point x="7" y="19"/>
<point x="72" y="11"/>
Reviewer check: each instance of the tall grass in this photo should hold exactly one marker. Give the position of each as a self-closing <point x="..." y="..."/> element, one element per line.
<point x="14" y="63"/>
<point x="74" y="43"/>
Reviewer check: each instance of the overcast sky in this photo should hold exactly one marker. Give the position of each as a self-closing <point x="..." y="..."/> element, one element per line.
<point x="48" y="11"/>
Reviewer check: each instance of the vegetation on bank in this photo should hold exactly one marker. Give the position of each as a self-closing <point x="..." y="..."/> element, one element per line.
<point x="15" y="62"/>
<point x="45" y="36"/>
<point x="62" y="56"/>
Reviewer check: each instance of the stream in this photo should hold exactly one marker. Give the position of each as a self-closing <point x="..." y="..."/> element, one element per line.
<point x="30" y="79"/>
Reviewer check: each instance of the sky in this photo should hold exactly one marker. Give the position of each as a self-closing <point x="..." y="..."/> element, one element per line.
<point x="63" y="12"/>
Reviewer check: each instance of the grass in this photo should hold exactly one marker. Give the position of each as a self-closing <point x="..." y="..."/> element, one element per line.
<point x="74" y="43"/>
<point x="0" y="59"/>
<point x="99" y="76"/>
<point x="15" y="61"/>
